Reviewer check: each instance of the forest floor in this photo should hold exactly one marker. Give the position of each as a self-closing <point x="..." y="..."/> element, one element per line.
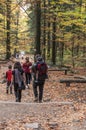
<point x="63" y="108"/>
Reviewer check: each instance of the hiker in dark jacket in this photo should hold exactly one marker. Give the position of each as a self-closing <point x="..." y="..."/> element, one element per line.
<point x="18" y="79"/>
<point x="39" y="79"/>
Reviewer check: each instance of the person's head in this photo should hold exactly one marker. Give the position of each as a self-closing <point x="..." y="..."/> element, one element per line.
<point x="27" y="59"/>
<point x="10" y="67"/>
<point x="40" y="59"/>
<point x="17" y="65"/>
<point x="36" y="57"/>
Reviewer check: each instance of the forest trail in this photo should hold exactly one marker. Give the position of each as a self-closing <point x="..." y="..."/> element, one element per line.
<point x="63" y="108"/>
<point x="56" y="115"/>
<point x="9" y="110"/>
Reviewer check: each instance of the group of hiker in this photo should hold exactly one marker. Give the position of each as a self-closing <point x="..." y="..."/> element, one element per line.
<point x="21" y="75"/>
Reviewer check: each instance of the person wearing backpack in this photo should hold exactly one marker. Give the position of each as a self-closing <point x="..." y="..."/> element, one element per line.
<point x="39" y="71"/>
<point x="18" y="80"/>
<point x="26" y="67"/>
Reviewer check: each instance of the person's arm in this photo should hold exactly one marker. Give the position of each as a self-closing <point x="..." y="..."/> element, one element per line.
<point x="47" y="72"/>
<point x="6" y="75"/>
<point x="33" y="71"/>
<point x="12" y="76"/>
<point x="47" y="68"/>
<point x="30" y="67"/>
<point x="24" y="78"/>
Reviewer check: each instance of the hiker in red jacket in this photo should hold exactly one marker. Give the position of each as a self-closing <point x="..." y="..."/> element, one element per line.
<point x="27" y="70"/>
<point x="9" y="79"/>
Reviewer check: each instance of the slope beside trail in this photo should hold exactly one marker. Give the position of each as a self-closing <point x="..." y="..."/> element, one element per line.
<point x="63" y="108"/>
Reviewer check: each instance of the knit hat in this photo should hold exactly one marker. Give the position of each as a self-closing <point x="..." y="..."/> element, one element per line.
<point x="40" y="58"/>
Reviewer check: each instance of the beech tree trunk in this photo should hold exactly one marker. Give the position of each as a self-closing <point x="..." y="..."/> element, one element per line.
<point x="54" y="42"/>
<point x="49" y="24"/>
<point x="8" y="51"/>
<point x="38" y="26"/>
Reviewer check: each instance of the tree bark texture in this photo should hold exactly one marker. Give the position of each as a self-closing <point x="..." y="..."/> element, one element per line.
<point x="8" y="52"/>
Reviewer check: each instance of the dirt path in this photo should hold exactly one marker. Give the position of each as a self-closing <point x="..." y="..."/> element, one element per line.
<point x="44" y="114"/>
<point x="63" y="108"/>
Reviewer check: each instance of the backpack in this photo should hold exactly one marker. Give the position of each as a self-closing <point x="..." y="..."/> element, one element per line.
<point x="42" y="68"/>
<point x="19" y="79"/>
<point x="42" y="71"/>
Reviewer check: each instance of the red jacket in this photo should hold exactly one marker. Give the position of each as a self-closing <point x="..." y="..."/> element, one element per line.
<point x="26" y="67"/>
<point x="9" y="75"/>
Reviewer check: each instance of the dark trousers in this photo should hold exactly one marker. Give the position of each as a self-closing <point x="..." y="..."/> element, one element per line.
<point x="28" y="78"/>
<point x="9" y="86"/>
<point x="18" y="92"/>
<point x="38" y="90"/>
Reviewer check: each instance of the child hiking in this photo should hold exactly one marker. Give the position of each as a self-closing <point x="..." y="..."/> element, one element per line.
<point x="9" y="79"/>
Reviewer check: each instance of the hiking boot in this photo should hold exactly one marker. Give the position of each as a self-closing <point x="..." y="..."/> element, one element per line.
<point x="7" y="91"/>
<point x="17" y="100"/>
<point x="27" y="87"/>
<point x="40" y="101"/>
<point x="36" y="99"/>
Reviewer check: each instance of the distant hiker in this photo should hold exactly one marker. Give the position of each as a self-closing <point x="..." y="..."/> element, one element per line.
<point x="9" y="79"/>
<point x="27" y="69"/>
<point x="39" y="71"/>
<point x="22" y="57"/>
<point x="17" y="55"/>
<point x="18" y="78"/>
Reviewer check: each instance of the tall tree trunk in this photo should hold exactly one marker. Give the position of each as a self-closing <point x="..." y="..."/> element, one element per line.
<point x="80" y="4"/>
<point x="48" y="50"/>
<point x="73" y="61"/>
<point x="8" y="51"/>
<point x="77" y="50"/>
<point x="38" y="26"/>
<point x="49" y="24"/>
<point x="61" y="53"/>
<point x="44" y="30"/>
<point x="17" y="23"/>
<point x="54" y="42"/>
